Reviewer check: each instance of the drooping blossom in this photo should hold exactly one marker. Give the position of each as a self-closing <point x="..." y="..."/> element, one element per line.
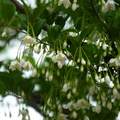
<point x="28" y="40"/>
<point x="60" y="59"/>
<point x="66" y="3"/>
<point x="82" y="104"/>
<point x="114" y="62"/>
<point x="110" y="4"/>
<point x="62" y="117"/>
<point x="27" y="65"/>
<point x="71" y="105"/>
<point x="66" y="87"/>
<point x="15" y="65"/>
<point x="97" y="108"/>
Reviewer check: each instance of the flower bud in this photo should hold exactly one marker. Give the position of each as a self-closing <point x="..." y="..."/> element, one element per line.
<point x="115" y="92"/>
<point x="83" y="62"/>
<point x="109" y="105"/>
<point x="4" y="34"/>
<point x="64" y="45"/>
<point x="74" y="6"/>
<point x="34" y="72"/>
<point x="74" y="114"/>
<point x="69" y="95"/>
<point x="50" y="77"/>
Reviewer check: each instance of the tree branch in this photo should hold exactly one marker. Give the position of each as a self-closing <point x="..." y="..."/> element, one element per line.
<point x="22" y="10"/>
<point x="99" y="17"/>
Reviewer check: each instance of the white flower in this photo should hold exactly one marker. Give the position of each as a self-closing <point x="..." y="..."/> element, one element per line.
<point x="114" y="62"/>
<point x="28" y="40"/>
<point x="82" y="104"/>
<point x="110" y="4"/>
<point x="62" y="117"/>
<point x="27" y="65"/>
<point x="15" y="65"/>
<point x="93" y="89"/>
<point x="34" y="72"/>
<point x="74" y="6"/>
<point x="66" y="87"/>
<point x="71" y="106"/>
<point x="97" y="109"/>
<point x="60" y="58"/>
<point x="66" y="3"/>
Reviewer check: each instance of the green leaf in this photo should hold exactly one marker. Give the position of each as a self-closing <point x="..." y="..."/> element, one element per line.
<point x="37" y="11"/>
<point x="38" y="26"/>
<point x="7" y="10"/>
<point x="85" y="32"/>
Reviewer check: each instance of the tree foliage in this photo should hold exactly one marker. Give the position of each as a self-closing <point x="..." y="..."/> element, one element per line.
<point x="77" y="73"/>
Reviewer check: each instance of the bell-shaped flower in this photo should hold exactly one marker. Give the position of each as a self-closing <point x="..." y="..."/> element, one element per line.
<point x="110" y="4"/>
<point x="27" y="66"/>
<point x="15" y="65"/>
<point x="60" y="59"/>
<point x="66" y="87"/>
<point x="66" y="3"/>
<point x="62" y="117"/>
<point x="82" y="104"/>
<point x="97" y="108"/>
<point x="114" y="62"/>
<point x="71" y="106"/>
<point x="28" y="40"/>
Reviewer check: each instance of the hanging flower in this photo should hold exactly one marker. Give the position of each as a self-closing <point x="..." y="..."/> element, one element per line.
<point x="66" y="3"/>
<point x="15" y="65"/>
<point x="27" y="65"/>
<point x="74" y="6"/>
<point x="82" y="104"/>
<point x="110" y="4"/>
<point x="60" y="59"/>
<point x="62" y="117"/>
<point x="97" y="109"/>
<point x="28" y="40"/>
<point x="66" y="87"/>
<point x="114" y="62"/>
<point x="71" y="106"/>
